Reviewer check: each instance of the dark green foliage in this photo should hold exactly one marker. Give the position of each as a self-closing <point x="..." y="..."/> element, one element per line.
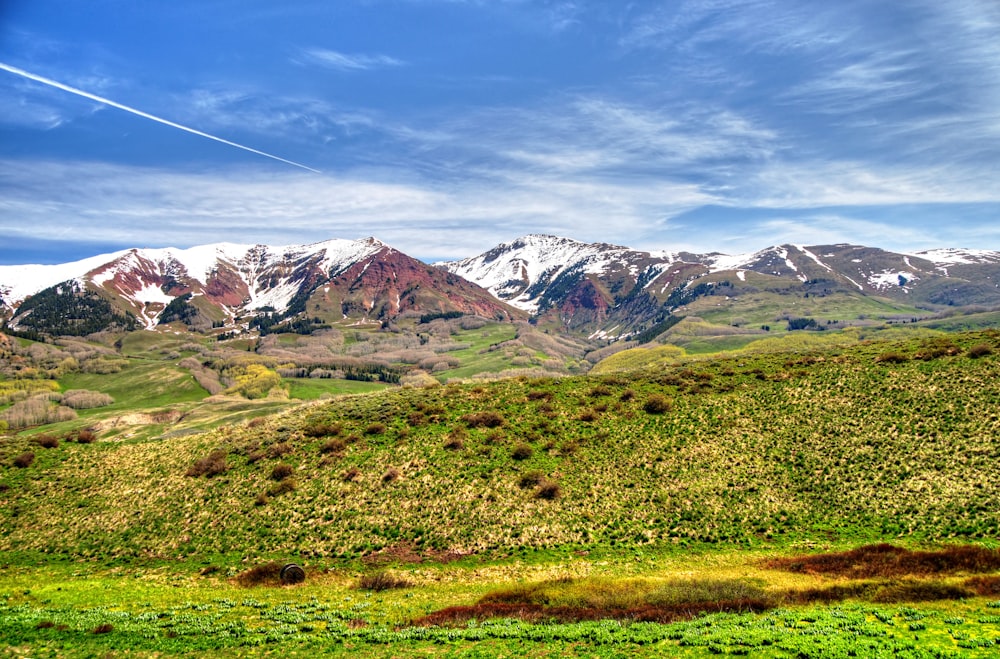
<point x="802" y="324"/>
<point x="178" y="310"/>
<point x="66" y="309"/>
<point x="446" y="315"/>
<point x="648" y="335"/>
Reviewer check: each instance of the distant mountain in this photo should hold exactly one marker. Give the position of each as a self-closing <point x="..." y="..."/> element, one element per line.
<point x="609" y="290"/>
<point x="591" y="289"/>
<point x="229" y="285"/>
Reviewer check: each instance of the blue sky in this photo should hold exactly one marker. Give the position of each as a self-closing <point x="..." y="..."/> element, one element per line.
<point x="446" y="126"/>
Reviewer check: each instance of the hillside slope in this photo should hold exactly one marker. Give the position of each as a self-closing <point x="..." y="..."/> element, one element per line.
<point x="862" y="443"/>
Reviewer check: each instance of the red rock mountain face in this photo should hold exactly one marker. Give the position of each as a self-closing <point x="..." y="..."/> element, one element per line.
<point x="391" y="283"/>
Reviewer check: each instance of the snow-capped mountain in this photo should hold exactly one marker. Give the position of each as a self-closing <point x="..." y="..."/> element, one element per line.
<point x="595" y="289"/>
<point x="610" y="290"/>
<point x="364" y="280"/>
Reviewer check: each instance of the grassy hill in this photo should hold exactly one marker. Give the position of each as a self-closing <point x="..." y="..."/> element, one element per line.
<point x="565" y="493"/>
<point x="862" y="442"/>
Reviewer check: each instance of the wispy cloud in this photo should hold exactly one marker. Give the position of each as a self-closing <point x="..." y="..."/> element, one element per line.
<point x="145" y="115"/>
<point x="332" y="59"/>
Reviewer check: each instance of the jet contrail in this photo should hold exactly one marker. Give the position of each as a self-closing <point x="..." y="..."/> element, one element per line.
<point x="107" y="101"/>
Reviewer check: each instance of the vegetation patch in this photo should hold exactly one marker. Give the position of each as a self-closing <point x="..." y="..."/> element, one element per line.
<point x="885" y="561"/>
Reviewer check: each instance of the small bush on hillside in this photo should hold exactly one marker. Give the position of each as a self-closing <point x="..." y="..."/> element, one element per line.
<point x="24" y="460"/>
<point x="281" y="472"/>
<point x="391" y="474"/>
<point x="548" y="490"/>
<point x="85" y="437"/>
<point x="454" y="442"/>
<point x="322" y="428"/>
<point x="495" y="437"/>
<point x="279" y="450"/>
<point x="105" y="628"/>
<point x="46" y="441"/>
<point x="531" y="478"/>
<point x="980" y="350"/>
<point x="350" y="475"/>
<point x="488" y="419"/>
<point x="333" y="446"/>
<point x="522" y="451"/>
<point x="587" y="416"/>
<point x="209" y="466"/>
<point x="283" y="487"/>
<point x="382" y="581"/>
<point x="261" y="499"/>
<point x="656" y="404"/>
<point x="626" y="396"/>
<point x="891" y="358"/>
<point x="375" y="429"/>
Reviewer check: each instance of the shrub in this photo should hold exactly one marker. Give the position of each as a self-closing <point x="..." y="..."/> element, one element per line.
<point x="980" y="350"/>
<point x="656" y="404"/>
<point x="587" y="416"/>
<point x="282" y="471"/>
<point x="24" y="460"/>
<point x="454" y="442"/>
<point x="286" y="485"/>
<point x="350" y="475"/>
<point x="548" y="490"/>
<point x="626" y="396"/>
<point x="391" y="474"/>
<point x="375" y="429"/>
<point x="105" y="628"/>
<point x="261" y="499"/>
<point x="382" y="581"/>
<point x="891" y="358"/>
<point x="322" y="428"/>
<point x="280" y="449"/>
<point x="209" y="466"/>
<point x="85" y="437"/>
<point x="333" y="446"/>
<point x="522" y="451"/>
<point x="531" y="478"/>
<point x="46" y="441"/>
<point x="488" y="419"/>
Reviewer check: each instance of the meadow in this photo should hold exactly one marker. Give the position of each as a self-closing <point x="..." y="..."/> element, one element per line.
<point x="689" y="505"/>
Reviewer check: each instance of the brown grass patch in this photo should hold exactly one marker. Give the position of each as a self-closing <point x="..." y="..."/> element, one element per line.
<point x="24" y="460"/>
<point x="984" y="585"/>
<point x="380" y="581"/>
<point x="212" y="465"/>
<point x="886" y="561"/>
<point x="267" y="574"/>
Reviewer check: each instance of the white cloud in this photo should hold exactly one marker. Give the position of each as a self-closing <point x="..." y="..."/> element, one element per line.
<point x="332" y="59"/>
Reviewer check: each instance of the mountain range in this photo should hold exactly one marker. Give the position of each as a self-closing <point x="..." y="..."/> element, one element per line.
<point x="594" y="289"/>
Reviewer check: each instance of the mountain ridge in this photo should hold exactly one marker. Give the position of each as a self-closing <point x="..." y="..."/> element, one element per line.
<point x="597" y="289"/>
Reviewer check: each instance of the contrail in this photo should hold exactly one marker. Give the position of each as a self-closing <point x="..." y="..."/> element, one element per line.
<point x="166" y="122"/>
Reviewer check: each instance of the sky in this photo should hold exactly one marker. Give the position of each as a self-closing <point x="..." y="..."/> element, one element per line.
<point x="444" y="127"/>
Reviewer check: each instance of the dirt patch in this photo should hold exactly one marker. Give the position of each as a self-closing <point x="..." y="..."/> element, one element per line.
<point x="167" y="417"/>
<point x="886" y="561"/>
